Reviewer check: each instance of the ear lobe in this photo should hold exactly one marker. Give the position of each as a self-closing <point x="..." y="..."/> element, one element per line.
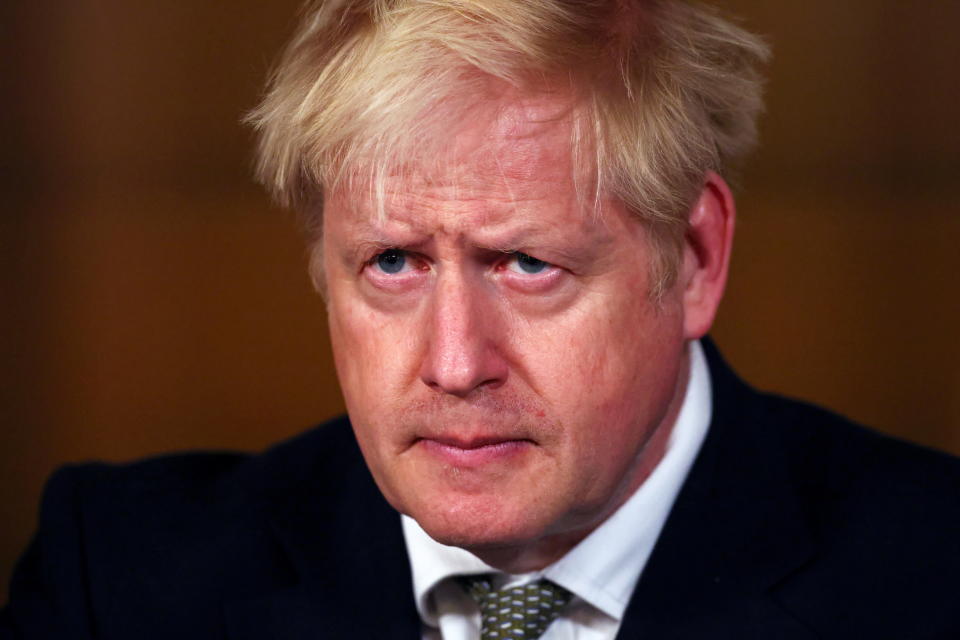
<point x="706" y="255"/>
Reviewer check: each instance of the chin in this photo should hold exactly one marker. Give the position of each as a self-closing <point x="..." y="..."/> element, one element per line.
<point x="477" y="524"/>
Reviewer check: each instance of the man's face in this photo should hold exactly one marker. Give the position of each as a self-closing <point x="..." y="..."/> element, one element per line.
<point x="502" y="361"/>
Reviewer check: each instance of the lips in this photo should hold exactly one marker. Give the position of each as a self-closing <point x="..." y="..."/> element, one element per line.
<point x="474" y="442"/>
<point x="473" y="451"/>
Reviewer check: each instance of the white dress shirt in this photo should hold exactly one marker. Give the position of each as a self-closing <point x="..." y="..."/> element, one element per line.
<point x="601" y="571"/>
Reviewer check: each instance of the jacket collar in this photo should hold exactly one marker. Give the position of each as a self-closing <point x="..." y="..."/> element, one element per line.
<point x="735" y="531"/>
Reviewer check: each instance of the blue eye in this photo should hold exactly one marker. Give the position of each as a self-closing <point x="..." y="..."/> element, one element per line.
<point x="392" y="261"/>
<point x="529" y="264"/>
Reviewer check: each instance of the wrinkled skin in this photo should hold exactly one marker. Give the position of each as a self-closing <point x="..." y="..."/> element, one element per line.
<point x="508" y="375"/>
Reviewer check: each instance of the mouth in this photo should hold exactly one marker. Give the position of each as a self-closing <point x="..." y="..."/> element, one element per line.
<point x="473" y="452"/>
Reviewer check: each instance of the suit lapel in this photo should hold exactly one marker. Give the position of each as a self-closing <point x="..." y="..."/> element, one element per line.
<point x="346" y="548"/>
<point x="736" y="530"/>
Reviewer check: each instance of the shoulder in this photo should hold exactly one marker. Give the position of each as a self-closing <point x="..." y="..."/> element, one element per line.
<point x="858" y="459"/>
<point x="865" y="526"/>
<point x="807" y="445"/>
<point x="172" y="533"/>
<point x="859" y="481"/>
<point x="217" y="500"/>
<point x="195" y="479"/>
<point x="884" y="515"/>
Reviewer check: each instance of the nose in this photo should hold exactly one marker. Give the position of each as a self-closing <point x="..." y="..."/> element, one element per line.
<point x="463" y="351"/>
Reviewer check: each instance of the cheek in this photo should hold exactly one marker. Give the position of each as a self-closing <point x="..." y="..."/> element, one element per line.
<point x="371" y="353"/>
<point x="601" y="341"/>
<point x="610" y="367"/>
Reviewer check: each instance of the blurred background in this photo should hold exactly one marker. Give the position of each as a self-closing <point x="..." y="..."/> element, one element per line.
<point x="153" y="299"/>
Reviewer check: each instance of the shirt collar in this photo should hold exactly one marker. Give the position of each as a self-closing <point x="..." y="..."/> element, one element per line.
<point x="605" y="566"/>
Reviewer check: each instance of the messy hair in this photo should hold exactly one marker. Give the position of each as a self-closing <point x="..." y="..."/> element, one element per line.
<point x="661" y="92"/>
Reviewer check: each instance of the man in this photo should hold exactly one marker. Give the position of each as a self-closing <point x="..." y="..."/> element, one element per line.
<point x="522" y="232"/>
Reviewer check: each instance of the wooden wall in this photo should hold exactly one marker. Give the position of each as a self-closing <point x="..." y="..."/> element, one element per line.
<point x="152" y="299"/>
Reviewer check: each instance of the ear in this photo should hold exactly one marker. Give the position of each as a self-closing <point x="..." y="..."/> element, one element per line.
<point x="706" y="255"/>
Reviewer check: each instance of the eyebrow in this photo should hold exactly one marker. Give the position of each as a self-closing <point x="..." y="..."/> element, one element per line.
<point x="364" y="247"/>
<point x="575" y="246"/>
<point x="505" y="234"/>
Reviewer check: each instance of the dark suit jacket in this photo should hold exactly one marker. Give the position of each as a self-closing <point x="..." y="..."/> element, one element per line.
<point x="793" y="523"/>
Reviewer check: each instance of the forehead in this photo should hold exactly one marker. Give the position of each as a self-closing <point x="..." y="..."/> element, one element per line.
<point x="514" y="158"/>
<point x="524" y="139"/>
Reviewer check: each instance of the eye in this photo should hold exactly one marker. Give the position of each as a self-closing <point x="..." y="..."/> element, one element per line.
<point x="391" y="261"/>
<point x="523" y="263"/>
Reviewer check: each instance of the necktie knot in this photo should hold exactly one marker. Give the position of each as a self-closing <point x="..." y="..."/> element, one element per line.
<point x="520" y="613"/>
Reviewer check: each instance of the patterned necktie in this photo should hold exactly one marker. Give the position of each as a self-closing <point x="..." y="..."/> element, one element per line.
<point x="521" y="613"/>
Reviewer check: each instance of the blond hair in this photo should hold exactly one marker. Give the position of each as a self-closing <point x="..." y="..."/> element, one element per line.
<point x="663" y="91"/>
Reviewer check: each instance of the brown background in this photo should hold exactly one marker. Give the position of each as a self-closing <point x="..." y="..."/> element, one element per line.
<point x="152" y="299"/>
